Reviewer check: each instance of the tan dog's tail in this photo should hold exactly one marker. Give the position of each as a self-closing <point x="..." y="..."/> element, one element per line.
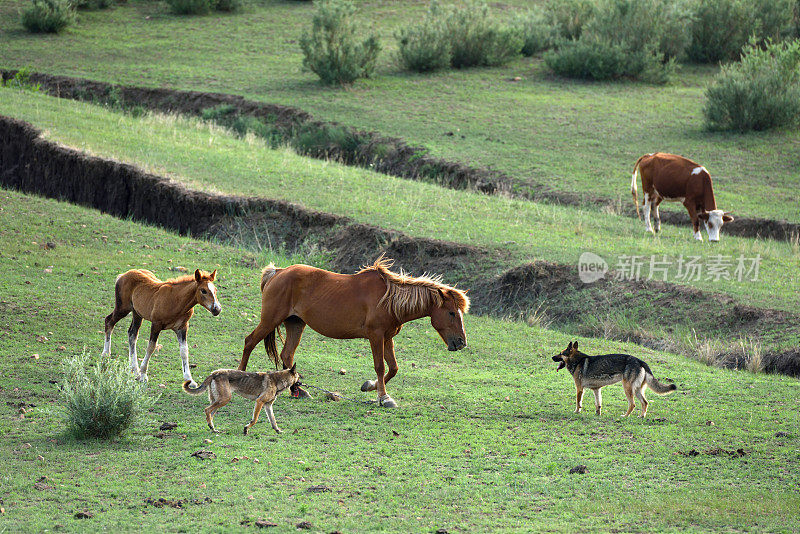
<point x="199" y="389"/>
<point x="658" y="387"/>
<point x="267" y="273"/>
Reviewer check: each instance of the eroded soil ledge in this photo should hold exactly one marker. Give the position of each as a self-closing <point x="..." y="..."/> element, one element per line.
<point x="387" y="155"/>
<point x="32" y="164"/>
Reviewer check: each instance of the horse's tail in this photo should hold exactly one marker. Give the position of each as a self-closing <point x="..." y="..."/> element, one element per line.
<point x="198" y="390"/>
<point x="634" y="192"/>
<point x="272" y="348"/>
<point x="267" y="273"/>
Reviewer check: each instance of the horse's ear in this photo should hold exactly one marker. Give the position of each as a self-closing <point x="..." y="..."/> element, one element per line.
<point x="197" y="275"/>
<point x="213" y="275"/>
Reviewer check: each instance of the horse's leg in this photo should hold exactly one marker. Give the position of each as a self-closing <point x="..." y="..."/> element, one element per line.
<point x="111" y="320"/>
<point x="183" y="347"/>
<point x="271" y="316"/>
<point x="388" y="357"/>
<point x="133" y="335"/>
<point x="155" y="330"/>
<point x="377" y="344"/>
<point x="294" y="331"/>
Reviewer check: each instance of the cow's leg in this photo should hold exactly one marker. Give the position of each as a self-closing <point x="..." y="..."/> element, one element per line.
<point x="657" y="219"/>
<point x="133" y="335"/>
<point x="155" y="330"/>
<point x="693" y="215"/>
<point x="646" y="210"/>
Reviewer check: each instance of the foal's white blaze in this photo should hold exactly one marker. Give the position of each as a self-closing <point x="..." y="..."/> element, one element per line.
<point x="216" y="307"/>
<point x="714" y="224"/>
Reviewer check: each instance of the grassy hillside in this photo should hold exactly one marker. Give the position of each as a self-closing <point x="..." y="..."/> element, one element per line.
<point x="564" y="135"/>
<point x="208" y="158"/>
<point x="461" y="457"/>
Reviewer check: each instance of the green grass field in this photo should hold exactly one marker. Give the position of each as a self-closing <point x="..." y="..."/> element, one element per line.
<point x="211" y="159"/>
<point x="568" y="136"/>
<point x="461" y="457"/>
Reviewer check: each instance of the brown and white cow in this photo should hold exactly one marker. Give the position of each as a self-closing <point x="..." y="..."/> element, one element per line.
<point x="677" y="179"/>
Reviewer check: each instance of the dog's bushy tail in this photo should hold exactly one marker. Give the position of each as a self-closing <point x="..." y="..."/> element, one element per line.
<point x="659" y="387"/>
<point x="199" y="389"/>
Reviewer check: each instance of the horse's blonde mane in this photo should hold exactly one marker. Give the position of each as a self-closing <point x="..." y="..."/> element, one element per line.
<point x="409" y="295"/>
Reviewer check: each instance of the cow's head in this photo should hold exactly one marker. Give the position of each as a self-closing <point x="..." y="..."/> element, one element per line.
<point x="714" y="220"/>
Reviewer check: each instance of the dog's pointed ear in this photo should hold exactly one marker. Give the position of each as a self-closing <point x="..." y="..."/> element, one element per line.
<point x="569" y="347"/>
<point x="575" y="346"/>
<point x="213" y="275"/>
<point x="198" y="276"/>
<point x="294" y="365"/>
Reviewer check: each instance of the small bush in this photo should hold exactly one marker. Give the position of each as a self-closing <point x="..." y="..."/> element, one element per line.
<point x="331" y="51"/>
<point x="720" y="29"/>
<point x="762" y="91"/>
<point x="538" y="31"/>
<point x="478" y="39"/>
<point x="48" y="16"/>
<point x="426" y="46"/>
<point x="102" y="400"/>
<point x="190" y="7"/>
<point x="22" y="81"/>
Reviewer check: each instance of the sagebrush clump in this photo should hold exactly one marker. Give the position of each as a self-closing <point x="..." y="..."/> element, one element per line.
<point x="331" y="48"/>
<point x="426" y="46"/>
<point x="48" y="16"/>
<point x="538" y="30"/>
<point x="101" y="400"/>
<point x="761" y="91"/>
<point x="190" y="7"/>
<point x="478" y="39"/>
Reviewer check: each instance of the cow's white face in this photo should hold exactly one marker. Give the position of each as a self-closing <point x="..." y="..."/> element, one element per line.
<point x="714" y="220"/>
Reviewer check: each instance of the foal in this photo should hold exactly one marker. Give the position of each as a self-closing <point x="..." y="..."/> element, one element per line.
<point x="167" y="305"/>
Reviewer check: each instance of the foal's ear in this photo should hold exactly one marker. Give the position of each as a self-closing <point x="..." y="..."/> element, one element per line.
<point x="213" y="275"/>
<point x="197" y="275"/>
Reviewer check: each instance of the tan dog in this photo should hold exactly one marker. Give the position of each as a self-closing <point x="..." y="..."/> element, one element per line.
<point x="260" y="387"/>
<point x="594" y="372"/>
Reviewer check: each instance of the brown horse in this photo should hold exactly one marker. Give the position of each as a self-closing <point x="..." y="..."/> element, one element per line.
<point x="372" y="304"/>
<point x="167" y="305"/>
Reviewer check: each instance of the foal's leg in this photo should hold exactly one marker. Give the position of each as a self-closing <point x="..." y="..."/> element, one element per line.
<point x="184" y="351"/>
<point x="133" y="335"/>
<point x="384" y="399"/>
<point x="155" y="330"/>
<point x="111" y="320"/>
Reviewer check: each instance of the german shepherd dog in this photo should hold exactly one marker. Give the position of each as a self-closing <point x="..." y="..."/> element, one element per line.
<point x="594" y="372"/>
<point x="260" y="387"/>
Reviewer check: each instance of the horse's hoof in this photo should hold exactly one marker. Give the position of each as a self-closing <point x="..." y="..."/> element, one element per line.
<point x="387" y="402"/>
<point x="369" y="385"/>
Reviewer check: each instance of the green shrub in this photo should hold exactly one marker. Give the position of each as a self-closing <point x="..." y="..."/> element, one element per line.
<point x="569" y="16"/>
<point x="538" y="30"/>
<point x="101" y="400"/>
<point x="425" y="46"/>
<point x="48" y="16"/>
<point x="330" y="49"/>
<point x="22" y="81"/>
<point x="190" y="7"/>
<point x="720" y="29"/>
<point x="636" y="39"/>
<point x="477" y="39"/>
<point x="761" y="91"/>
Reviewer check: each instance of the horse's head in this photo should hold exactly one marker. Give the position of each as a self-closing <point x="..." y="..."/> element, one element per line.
<point x="206" y="292"/>
<point x="448" y="318"/>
